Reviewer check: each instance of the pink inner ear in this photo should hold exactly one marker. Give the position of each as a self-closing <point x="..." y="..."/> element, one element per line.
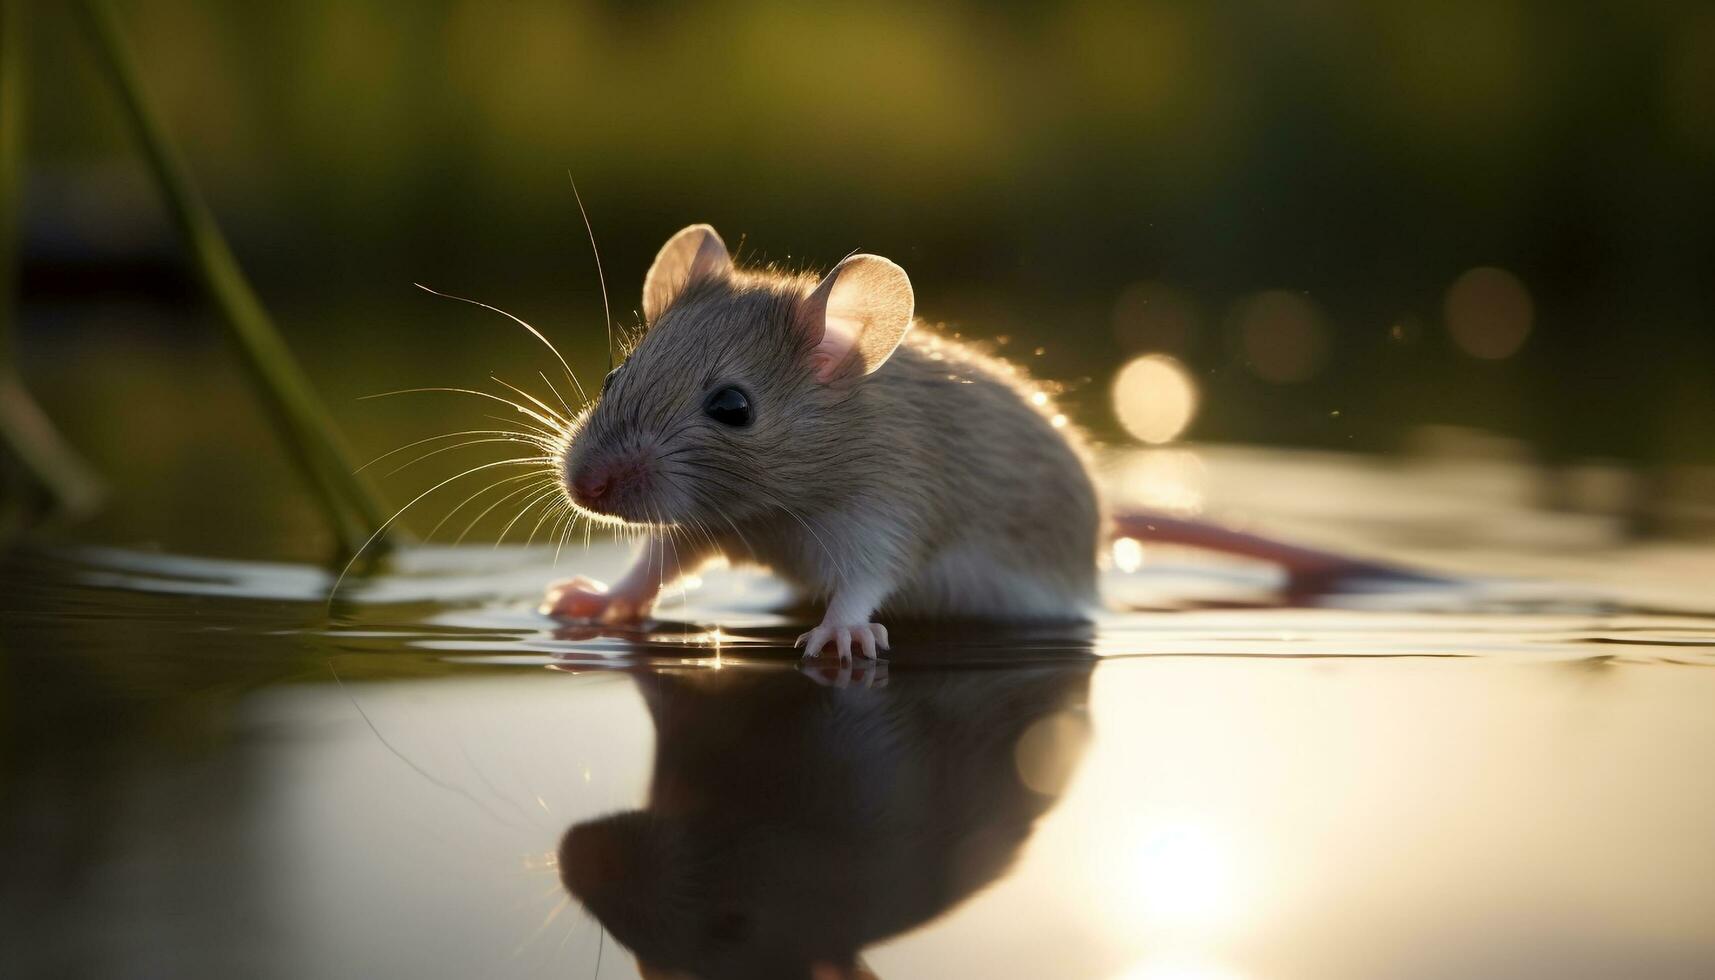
<point x="839" y="333"/>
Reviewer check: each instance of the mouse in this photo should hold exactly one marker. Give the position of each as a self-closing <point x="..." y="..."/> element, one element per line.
<point x="815" y="426"/>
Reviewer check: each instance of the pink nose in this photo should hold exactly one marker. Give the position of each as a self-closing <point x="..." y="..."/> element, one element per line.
<point x="590" y="485"/>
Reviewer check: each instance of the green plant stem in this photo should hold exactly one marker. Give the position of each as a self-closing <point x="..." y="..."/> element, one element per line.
<point x="25" y="432"/>
<point x="34" y="442"/>
<point x="12" y="53"/>
<point x="352" y="508"/>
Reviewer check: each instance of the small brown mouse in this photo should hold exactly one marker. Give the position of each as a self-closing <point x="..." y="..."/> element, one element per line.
<point x="811" y="426"/>
<point x="806" y="426"/>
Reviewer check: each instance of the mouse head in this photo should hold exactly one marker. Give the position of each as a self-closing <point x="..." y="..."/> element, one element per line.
<point x="738" y="393"/>
<point x="692" y="907"/>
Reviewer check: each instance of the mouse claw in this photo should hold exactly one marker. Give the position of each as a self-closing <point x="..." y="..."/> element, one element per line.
<point x="867" y="636"/>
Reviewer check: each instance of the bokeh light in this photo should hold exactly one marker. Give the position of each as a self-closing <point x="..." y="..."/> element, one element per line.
<point x="1281" y="336"/>
<point x="1488" y="313"/>
<point x="1154" y="398"/>
<point x="1047" y="753"/>
<point x="1128" y="554"/>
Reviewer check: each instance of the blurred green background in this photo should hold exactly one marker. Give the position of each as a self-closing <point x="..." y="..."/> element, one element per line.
<point x="1348" y="221"/>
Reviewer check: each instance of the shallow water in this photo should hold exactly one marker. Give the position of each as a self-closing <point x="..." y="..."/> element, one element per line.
<point x="212" y="772"/>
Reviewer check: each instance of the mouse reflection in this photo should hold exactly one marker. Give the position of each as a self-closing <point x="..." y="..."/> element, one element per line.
<point x="791" y="824"/>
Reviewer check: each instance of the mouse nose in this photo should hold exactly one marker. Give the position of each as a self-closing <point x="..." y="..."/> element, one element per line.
<point x="590" y="485"/>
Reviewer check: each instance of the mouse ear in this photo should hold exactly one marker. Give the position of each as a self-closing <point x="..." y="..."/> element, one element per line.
<point x="692" y="254"/>
<point x="858" y="315"/>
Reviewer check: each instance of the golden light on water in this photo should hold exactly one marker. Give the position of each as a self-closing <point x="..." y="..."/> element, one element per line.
<point x="1178" y="968"/>
<point x="1281" y="336"/>
<point x="1174" y="883"/>
<point x="1154" y="398"/>
<point x="1171" y="480"/>
<point x="1489" y="313"/>
<point x="1182" y="877"/>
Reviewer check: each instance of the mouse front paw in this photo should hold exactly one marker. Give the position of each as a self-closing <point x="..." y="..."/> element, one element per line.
<point x="584" y="600"/>
<point x="866" y="636"/>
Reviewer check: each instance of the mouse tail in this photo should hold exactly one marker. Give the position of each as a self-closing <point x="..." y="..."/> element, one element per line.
<point x="1309" y="571"/>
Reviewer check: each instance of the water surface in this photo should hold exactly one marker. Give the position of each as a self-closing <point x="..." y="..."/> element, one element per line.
<point x="209" y="771"/>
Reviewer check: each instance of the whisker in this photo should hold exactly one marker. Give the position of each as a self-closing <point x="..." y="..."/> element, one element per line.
<point x="740" y="534"/>
<point x="523" y="491"/>
<point x="667" y="541"/>
<point x="533" y="331"/>
<point x="461" y="504"/>
<point x="702" y="528"/>
<point x="557" y="396"/>
<point x="606" y="311"/>
<point x="536" y="430"/>
<point x="776" y="501"/>
<point x="548" y="422"/>
<point x="567" y="524"/>
<point x="552" y="510"/>
<point x="652" y="542"/>
<point x="444" y="435"/>
<point x="544" y="406"/>
<point x="553" y="914"/>
<point x="839" y="566"/>
<point x="333" y="592"/>
<point x="540" y="496"/>
<point x="463" y="445"/>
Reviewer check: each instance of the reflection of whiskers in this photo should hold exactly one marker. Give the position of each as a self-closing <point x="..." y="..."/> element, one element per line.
<point x="547" y="920"/>
<point x="551" y="865"/>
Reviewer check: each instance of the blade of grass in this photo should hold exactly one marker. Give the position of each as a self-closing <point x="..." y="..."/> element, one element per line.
<point x="12" y="54"/>
<point x="352" y="508"/>
<point x="48" y="464"/>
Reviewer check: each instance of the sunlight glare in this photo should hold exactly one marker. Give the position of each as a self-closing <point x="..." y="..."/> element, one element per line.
<point x="1178" y="968"/>
<point x="1181" y="877"/>
<point x="1128" y="554"/>
<point x="1162" y="479"/>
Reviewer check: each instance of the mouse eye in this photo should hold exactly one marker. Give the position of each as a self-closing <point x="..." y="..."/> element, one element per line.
<point x="728" y="406"/>
<point x="607" y="382"/>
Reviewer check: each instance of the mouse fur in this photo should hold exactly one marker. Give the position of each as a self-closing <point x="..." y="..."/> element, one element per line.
<point x="885" y="468"/>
